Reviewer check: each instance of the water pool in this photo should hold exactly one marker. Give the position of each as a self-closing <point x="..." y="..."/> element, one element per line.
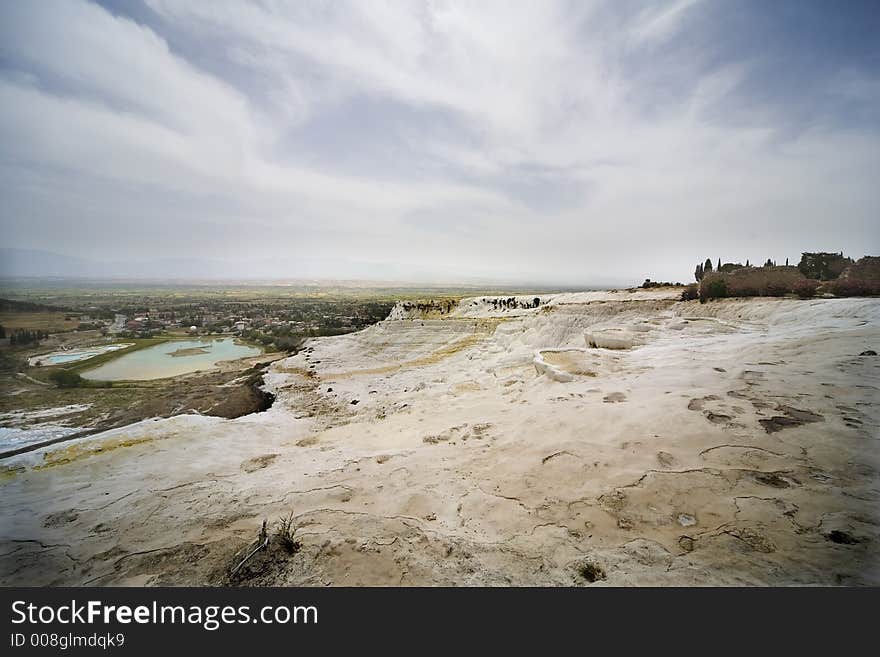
<point x="171" y="358"/>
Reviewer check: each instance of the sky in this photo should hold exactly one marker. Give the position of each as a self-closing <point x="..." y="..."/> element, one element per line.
<point x="547" y="142"/>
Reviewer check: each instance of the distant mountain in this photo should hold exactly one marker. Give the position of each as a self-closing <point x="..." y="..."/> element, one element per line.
<point x="37" y="264"/>
<point x="32" y="263"/>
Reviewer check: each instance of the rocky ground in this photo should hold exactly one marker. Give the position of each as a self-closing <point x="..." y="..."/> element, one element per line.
<point x="728" y="443"/>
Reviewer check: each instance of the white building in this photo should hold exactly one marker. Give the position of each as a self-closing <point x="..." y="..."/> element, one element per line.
<point x="118" y="323"/>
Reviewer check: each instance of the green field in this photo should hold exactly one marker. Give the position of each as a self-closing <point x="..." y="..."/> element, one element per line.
<point x="50" y="321"/>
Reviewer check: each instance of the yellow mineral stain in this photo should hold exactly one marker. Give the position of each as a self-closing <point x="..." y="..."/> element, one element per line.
<point x="482" y="329"/>
<point x="86" y="449"/>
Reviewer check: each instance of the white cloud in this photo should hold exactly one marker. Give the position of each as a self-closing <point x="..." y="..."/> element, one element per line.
<point x="660" y="21"/>
<point x="515" y="133"/>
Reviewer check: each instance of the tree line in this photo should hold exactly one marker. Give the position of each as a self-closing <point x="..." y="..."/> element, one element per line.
<point x="704" y="268"/>
<point x="821" y="265"/>
<point x="21" y="337"/>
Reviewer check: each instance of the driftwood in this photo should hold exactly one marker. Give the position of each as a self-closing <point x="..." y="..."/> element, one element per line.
<point x="262" y="543"/>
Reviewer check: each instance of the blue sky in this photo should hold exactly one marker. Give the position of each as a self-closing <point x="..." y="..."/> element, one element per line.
<point x="545" y="142"/>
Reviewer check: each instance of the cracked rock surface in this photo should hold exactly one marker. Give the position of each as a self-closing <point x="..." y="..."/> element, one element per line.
<point x="735" y="443"/>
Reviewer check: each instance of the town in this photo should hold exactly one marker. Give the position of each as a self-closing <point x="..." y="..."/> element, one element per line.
<point x="273" y="319"/>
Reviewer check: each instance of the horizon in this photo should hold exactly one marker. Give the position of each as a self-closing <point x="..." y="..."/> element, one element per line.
<point x="582" y="144"/>
<point x="21" y="273"/>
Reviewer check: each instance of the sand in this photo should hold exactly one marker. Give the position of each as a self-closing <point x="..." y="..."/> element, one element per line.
<point x="734" y="443"/>
<point x="191" y="351"/>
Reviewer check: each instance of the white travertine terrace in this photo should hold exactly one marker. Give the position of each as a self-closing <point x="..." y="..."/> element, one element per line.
<point x="736" y="442"/>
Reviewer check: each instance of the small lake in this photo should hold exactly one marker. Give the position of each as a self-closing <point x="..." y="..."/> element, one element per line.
<point x="171" y="358"/>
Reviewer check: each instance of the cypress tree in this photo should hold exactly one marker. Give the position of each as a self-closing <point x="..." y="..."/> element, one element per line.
<point x="707" y="268"/>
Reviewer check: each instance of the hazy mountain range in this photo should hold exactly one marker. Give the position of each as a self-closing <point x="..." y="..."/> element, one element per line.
<point x="30" y="263"/>
<point x="38" y="264"/>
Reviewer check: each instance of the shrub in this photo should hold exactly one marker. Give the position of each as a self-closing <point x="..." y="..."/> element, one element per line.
<point x="805" y="289"/>
<point x="854" y="287"/>
<point x="775" y="289"/>
<point x="284" y="531"/>
<point x="691" y="292"/>
<point x="752" y="282"/>
<point x="592" y="572"/>
<point x="713" y="288"/>
<point x="66" y="379"/>
<point x="739" y="290"/>
<point x="649" y="284"/>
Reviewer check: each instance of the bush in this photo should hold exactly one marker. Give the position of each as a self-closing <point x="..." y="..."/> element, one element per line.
<point x="649" y="284"/>
<point x="292" y="343"/>
<point x="776" y="289"/>
<point x="9" y="362"/>
<point x="66" y="379"/>
<point x="805" y="289"/>
<point x="740" y="290"/>
<point x="752" y="282"/>
<point x="714" y="288"/>
<point x="854" y="287"/>
<point x="691" y="292"/>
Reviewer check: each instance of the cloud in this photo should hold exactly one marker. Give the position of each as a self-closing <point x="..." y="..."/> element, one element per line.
<point x="556" y="141"/>
<point x="659" y="22"/>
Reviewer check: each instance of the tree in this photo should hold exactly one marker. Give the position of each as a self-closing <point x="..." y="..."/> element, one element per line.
<point x="698" y="272"/>
<point x="66" y="379"/>
<point x="24" y="337"/>
<point x="718" y="268"/>
<point x="707" y="268"/>
<point x="747" y="263"/>
<point x="2" y="332"/>
<point x="823" y="266"/>
<point x="769" y="263"/>
<point x="786" y="262"/>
